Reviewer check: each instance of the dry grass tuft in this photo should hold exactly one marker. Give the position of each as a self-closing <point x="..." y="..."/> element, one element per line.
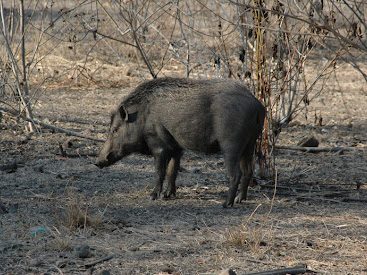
<point x="60" y="243"/>
<point x="256" y="239"/>
<point x="60" y="240"/>
<point x="253" y="236"/>
<point x="77" y="213"/>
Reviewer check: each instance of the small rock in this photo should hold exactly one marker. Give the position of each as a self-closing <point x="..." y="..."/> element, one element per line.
<point x="196" y="171"/>
<point x="61" y="176"/>
<point x="61" y="263"/>
<point x="3" y="209"/>
<point x="168" y="269"/>
<point x="105" y="272"/>
<point x="36" y="262"/>
<point x="129" y="72"/>
<point x="136" y="248"/>
<point x="281" y="254"/>
<point x="9" y="168"/>
<point x="68" y="144"/>
<point x="220" y="163"/>
<point x="262" y="243"/>
<point x="24" y="140"/>
<point x="83" y="251"/>
<point x="39" y="169"/>
<point x="309" y="142"/>
<point x="227" y="272"/>
<point x="195" y="228"/>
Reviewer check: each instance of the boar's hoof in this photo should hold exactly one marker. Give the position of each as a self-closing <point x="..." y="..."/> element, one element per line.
<point x="227" y="204"/>
<point x="239" y="198"/>
<point x="154" y="195"/>
<point x="169" y="194"/>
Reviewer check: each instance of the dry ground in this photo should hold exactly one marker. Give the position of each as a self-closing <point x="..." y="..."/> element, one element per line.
<point x="53" y="205"/>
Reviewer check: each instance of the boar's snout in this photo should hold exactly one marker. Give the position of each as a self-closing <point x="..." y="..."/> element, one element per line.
<point x="103" y="160"/>
<point x="101" y="163"/>
<point x="105" y="156"/>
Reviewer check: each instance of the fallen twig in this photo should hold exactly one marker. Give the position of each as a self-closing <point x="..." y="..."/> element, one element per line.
<point x="316" y="149"/>
<point x="77" y="155"/>
<point x="101" y="260"/>
<point x="283" y="271"/>
<point x="48" y="126"/>
<point x="354" y="200"/>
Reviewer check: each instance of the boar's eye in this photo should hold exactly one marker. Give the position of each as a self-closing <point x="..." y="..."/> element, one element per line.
<point x="114" y="130"/>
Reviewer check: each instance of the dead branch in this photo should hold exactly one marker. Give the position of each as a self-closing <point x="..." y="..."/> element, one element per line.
<point x="48" y="126"/>
<point x="316" y="149"/>
<point x="283" y="271"/>
<point x="77" y="154"/>
<point x="142" y="52"/>
<point x="68" y="119"/>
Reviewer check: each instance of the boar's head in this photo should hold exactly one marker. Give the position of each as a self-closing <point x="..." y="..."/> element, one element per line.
<point x="124" y="136"/>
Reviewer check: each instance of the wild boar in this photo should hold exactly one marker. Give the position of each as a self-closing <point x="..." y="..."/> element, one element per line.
<point x="162" y="117"/>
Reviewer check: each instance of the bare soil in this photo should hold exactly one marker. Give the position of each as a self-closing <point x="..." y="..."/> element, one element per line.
<point x="51" y="206"/>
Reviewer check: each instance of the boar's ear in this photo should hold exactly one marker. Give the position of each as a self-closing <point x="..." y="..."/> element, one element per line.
<point x="128" y="114"/>
<point x="123" y="112"/>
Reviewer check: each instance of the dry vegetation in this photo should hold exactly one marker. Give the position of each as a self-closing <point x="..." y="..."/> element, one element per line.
<point x="59" y="214"/>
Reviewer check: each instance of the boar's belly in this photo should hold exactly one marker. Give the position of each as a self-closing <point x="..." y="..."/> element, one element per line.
<point x="194" y="134"/>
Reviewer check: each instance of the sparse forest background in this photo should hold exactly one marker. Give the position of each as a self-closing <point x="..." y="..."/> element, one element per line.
<point x="267" y="44"/>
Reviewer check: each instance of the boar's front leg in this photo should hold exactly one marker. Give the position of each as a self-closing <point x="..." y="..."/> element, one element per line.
<point x="161" y="159"/>
<point x="172" y="171"/>
<point x="162" y="156"/>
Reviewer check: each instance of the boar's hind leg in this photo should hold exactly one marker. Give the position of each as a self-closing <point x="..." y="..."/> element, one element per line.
<point x="246" y="168"/>
<point x="232" y="162"/>
<point x="172" y="171"/>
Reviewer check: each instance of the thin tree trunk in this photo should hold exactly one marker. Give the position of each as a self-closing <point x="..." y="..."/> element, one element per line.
<point x="24" y="84"/>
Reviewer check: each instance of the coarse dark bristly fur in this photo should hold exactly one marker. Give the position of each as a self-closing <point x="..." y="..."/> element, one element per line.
<point x="164" y="116"/>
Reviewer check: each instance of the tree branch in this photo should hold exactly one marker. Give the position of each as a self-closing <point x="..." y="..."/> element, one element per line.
<point x="48" y="126"/>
